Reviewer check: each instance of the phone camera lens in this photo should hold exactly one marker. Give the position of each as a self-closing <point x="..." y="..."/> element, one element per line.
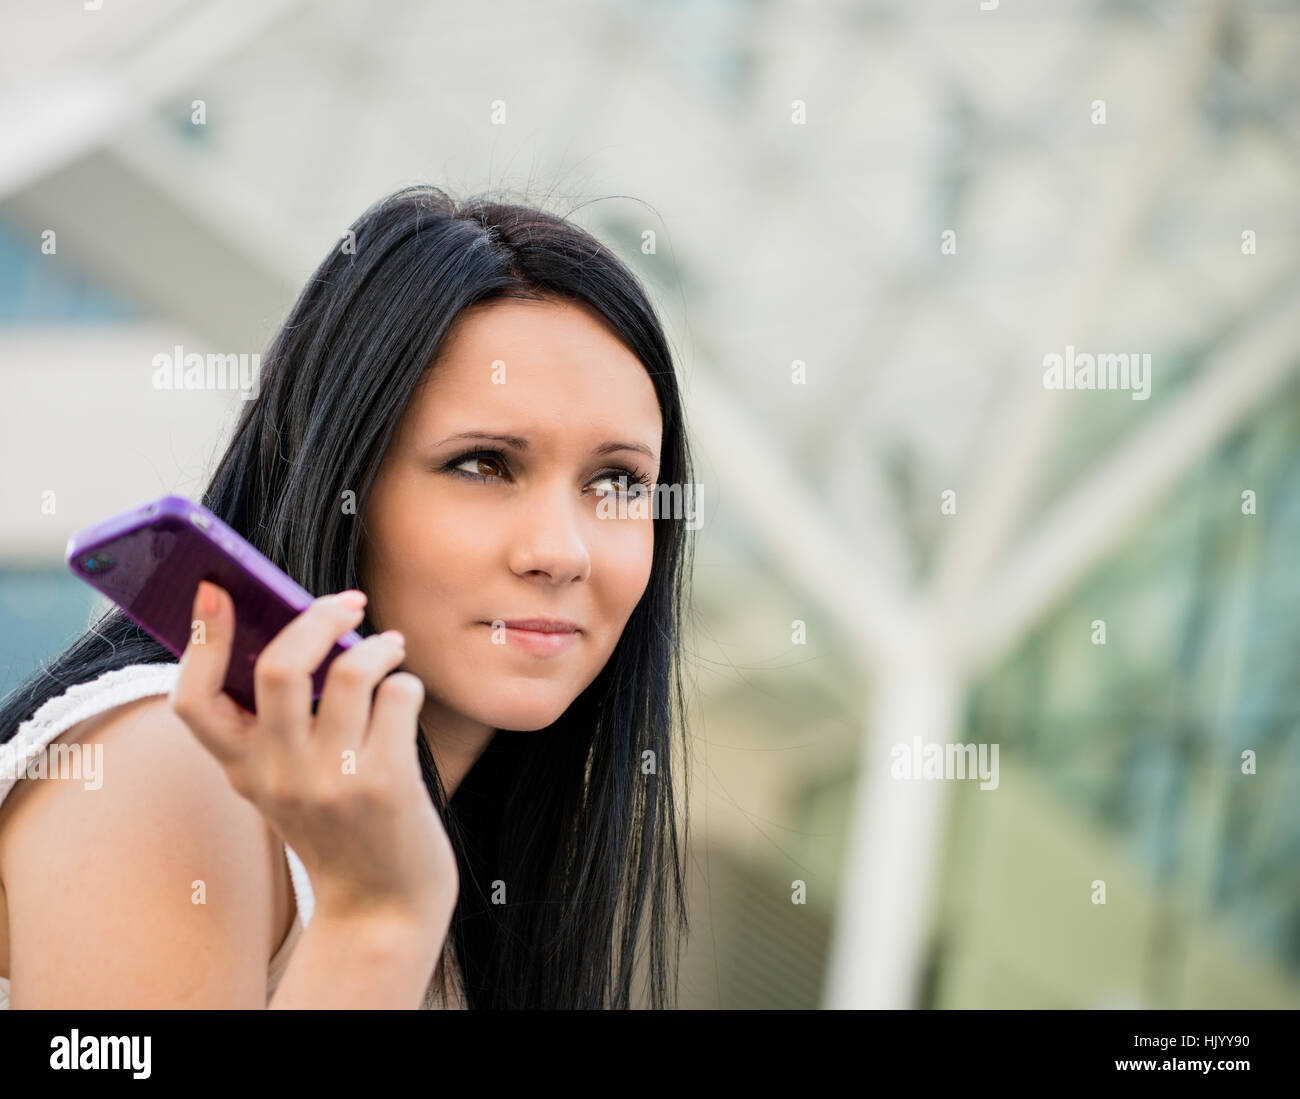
<point x="97" y="562"/>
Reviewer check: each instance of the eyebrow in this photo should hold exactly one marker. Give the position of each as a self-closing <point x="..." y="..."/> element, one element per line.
<point x="518" y="442"/>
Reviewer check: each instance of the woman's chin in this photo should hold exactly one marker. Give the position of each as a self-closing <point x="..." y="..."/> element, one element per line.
<point x="523" y="715"/>
<point x="526" y="720"/>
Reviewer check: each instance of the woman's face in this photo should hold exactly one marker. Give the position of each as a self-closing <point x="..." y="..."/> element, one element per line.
<point x="447" y="554"/>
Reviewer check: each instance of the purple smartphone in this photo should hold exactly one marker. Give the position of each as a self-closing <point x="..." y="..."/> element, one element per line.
<point x="149" y="561"/>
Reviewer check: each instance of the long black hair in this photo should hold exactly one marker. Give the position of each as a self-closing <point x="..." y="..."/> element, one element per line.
<point x="582" y="831"/>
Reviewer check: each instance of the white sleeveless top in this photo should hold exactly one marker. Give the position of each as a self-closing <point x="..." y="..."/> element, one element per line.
<point x="84" y="700"/>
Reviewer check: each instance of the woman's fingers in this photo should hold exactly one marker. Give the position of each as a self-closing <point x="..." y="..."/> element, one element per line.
<point x="394" y="719"/>
<point x="198" y="699"/>
<point x="282" y="675"/>
<point x="344" y="709"/>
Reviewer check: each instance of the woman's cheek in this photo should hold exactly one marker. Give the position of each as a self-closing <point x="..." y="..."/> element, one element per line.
<point x="626" y="561"/>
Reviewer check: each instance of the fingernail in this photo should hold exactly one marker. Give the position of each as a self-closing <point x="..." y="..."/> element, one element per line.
<point x="353" y="600"/>
<point x="207" y="599"/>
<point x="395" y="635"/>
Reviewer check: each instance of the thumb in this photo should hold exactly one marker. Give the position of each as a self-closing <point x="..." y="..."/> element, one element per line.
<point x="198" y="698"/>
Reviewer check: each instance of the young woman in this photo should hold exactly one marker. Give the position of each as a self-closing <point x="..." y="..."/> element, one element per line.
<point x="444" y="422"/>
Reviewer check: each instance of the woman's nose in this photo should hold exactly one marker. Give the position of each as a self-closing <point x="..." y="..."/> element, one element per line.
<point x="549" y="540"/>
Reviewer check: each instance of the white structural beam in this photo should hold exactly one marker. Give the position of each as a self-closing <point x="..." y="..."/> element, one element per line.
<point x="796" y="529"/>
<point x="70" y="114"/>
<point x="896" y="837"/>
<point x="146" y="244"/>
<point x="1099" y="513"/>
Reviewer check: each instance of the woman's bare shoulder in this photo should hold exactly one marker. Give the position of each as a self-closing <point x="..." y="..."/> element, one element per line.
<point x="149" y="803"/>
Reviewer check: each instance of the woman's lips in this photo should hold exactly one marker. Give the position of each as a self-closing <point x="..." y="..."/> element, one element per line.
<point x="535" y="641"/>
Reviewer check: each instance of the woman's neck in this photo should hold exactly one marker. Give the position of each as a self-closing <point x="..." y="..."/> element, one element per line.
<point x="456" y="743"/>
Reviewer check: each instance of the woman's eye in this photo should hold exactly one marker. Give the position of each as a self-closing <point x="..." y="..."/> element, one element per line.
<point x="479" y="460"/>
<point x="622" y="482"/>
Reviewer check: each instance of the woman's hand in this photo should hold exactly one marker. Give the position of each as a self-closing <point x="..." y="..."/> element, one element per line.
<point x="343" y="787"/>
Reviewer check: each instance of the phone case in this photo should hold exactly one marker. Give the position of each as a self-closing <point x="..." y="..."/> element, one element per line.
<point x="149" y="561"/>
